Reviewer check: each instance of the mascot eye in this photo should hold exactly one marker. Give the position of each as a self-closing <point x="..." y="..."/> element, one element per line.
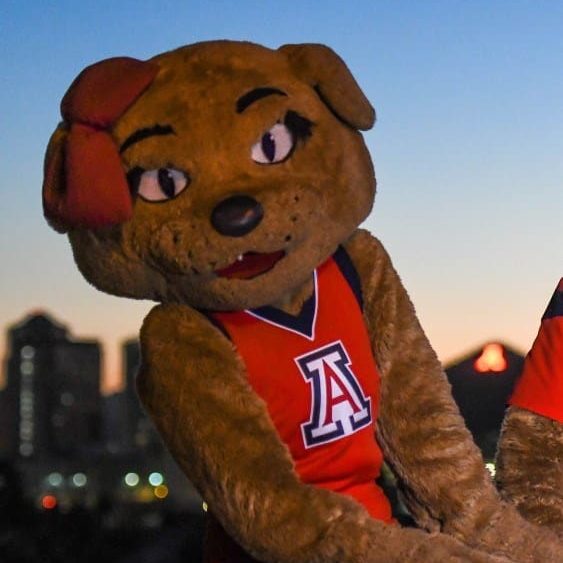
<point x="157" y="185"/>
<point x="274" y="146"/>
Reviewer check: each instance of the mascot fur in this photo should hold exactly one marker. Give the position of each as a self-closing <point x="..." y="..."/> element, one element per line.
<point x="530" y="456"/>
<point x="226" y="181"/>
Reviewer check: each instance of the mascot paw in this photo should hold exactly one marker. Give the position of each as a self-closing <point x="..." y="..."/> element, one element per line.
<point x="509" y="534"/>
<point x="444" y="548"/>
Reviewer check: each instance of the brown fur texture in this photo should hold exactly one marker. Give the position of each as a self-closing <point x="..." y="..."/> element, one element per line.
<point x="192" y="380"/>
<point x="530" y="467"/>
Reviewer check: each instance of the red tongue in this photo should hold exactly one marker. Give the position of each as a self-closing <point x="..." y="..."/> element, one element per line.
<point x="251" y="265"/>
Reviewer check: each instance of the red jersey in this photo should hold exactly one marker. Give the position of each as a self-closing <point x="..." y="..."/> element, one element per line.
<point x="318" y="377"/>
<point x="540" y="387"/>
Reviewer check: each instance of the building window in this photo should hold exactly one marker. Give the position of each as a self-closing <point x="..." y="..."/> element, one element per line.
<point x="26" y="403"/>
<point x="26" y="449"/>
<point x="27" y="352"/>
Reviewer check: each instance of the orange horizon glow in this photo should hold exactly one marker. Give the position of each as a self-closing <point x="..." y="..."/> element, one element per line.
<point x="492" y="359"/>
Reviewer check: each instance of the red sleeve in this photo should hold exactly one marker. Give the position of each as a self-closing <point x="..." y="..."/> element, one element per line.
<point x="540" y="387"/>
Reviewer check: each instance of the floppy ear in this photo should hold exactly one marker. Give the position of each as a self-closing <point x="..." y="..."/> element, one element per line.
<point x="326" y="72"/>
<point x="84" y="181"/>
<point x="54" y="179"/>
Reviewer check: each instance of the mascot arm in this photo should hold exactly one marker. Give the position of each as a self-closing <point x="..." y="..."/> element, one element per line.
<point x="424" y="438"/>
<point x="529" y="466"/>
<point x="193" y="385"/>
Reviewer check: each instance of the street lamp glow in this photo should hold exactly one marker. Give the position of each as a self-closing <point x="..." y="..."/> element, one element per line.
<point x="161" y="492"/>
<point x="156" y="479"/>
<point x="131" y="479"/>
<point x="55" y="479"/>
<point x="79" y="480"/>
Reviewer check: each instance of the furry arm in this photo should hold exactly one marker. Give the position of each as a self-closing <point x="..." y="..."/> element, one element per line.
<point x="194" y="386"/>
<point x="530" y="467"/>
<point x="422" y="434"/>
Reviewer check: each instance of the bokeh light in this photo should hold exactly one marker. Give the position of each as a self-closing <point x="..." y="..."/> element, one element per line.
<point x="48" y="502"/>
<point x="79" y="480"/>
<point x="161" y="492"/>
<point x="131" y="479"/>
<point x="156" y="479"/>
<point x="55" y="479"/>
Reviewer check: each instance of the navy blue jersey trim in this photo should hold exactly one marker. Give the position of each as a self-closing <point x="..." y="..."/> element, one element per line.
<point x="555" y="307"/>
<point x="303" y="323"/>
<point x="348" y="270"/>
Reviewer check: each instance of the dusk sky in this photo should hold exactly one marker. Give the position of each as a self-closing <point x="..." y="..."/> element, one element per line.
<point x="468" y="147"/>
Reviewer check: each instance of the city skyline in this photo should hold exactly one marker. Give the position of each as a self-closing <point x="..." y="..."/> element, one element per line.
<point x="53" y="405"/>
<point x="71" y="446"/>
<point x="129" y="353"/>
<point x="467" y="148"/>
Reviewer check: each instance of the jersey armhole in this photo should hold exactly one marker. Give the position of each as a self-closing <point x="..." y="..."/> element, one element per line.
<point x="555" y="306"/>
<point x="348" y="270"/>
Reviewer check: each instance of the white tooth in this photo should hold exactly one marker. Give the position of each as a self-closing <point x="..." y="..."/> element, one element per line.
<point x="239" y="257"/>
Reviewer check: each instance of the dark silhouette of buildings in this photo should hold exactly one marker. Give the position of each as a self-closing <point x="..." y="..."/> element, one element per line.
<point x="127" y="427"/>
<point x="52" y="408"/>
<point x="482" y="382"/>
<point x="52" y="392"/>
<point x="139" y="430"/>
<point x="71" y="445"/>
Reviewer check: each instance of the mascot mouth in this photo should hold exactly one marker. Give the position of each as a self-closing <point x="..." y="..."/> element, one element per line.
<point x="250" y="264"/>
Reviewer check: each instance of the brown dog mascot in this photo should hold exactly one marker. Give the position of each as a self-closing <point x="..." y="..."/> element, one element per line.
<point x="226" y="181"/>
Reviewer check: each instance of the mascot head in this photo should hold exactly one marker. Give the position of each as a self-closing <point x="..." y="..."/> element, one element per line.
<point x="217" y="175"/>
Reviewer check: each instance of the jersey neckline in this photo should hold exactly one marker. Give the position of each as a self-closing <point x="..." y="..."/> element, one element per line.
<point x="302" y="324"/>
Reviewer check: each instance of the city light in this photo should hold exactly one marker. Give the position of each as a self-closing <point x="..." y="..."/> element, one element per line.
<point x="156" y="479"/>
<point x="26" y="449"/>
<point x="491" y="468"/>
<point x="491" y="359"/>
<point x="26" y="367"/>
<point x="67" y="399"/>
<point x="55" y="479"/>
<point x="161" y="492"/>
<point x="27" y="352"/>
<point x="204" y="506"/>
<point x="131" y="479"/>
<point x="79" y="480"/>
<point x="48" y="502"/>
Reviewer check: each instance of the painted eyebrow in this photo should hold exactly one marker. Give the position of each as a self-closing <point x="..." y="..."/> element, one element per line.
<point x="254" y="95"/>
<point x="141" y="134"/>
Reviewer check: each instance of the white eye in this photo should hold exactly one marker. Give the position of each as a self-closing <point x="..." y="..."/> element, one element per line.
<point x="274" y="146"/>
<point x="161" y="184"/>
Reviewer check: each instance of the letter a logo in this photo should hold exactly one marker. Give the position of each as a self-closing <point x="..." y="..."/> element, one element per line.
<point x="339" y="407"/>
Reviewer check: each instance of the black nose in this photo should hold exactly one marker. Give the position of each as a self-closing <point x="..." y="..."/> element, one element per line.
<point x="236" y="216"/>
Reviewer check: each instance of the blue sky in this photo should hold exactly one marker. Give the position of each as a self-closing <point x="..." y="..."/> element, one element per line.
<point x="468" y="146"/>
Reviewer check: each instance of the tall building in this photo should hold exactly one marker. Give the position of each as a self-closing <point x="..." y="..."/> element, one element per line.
<point x="52" y="391"/>
<point x="6" y="416"/>
<point x="140" y="431"/>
